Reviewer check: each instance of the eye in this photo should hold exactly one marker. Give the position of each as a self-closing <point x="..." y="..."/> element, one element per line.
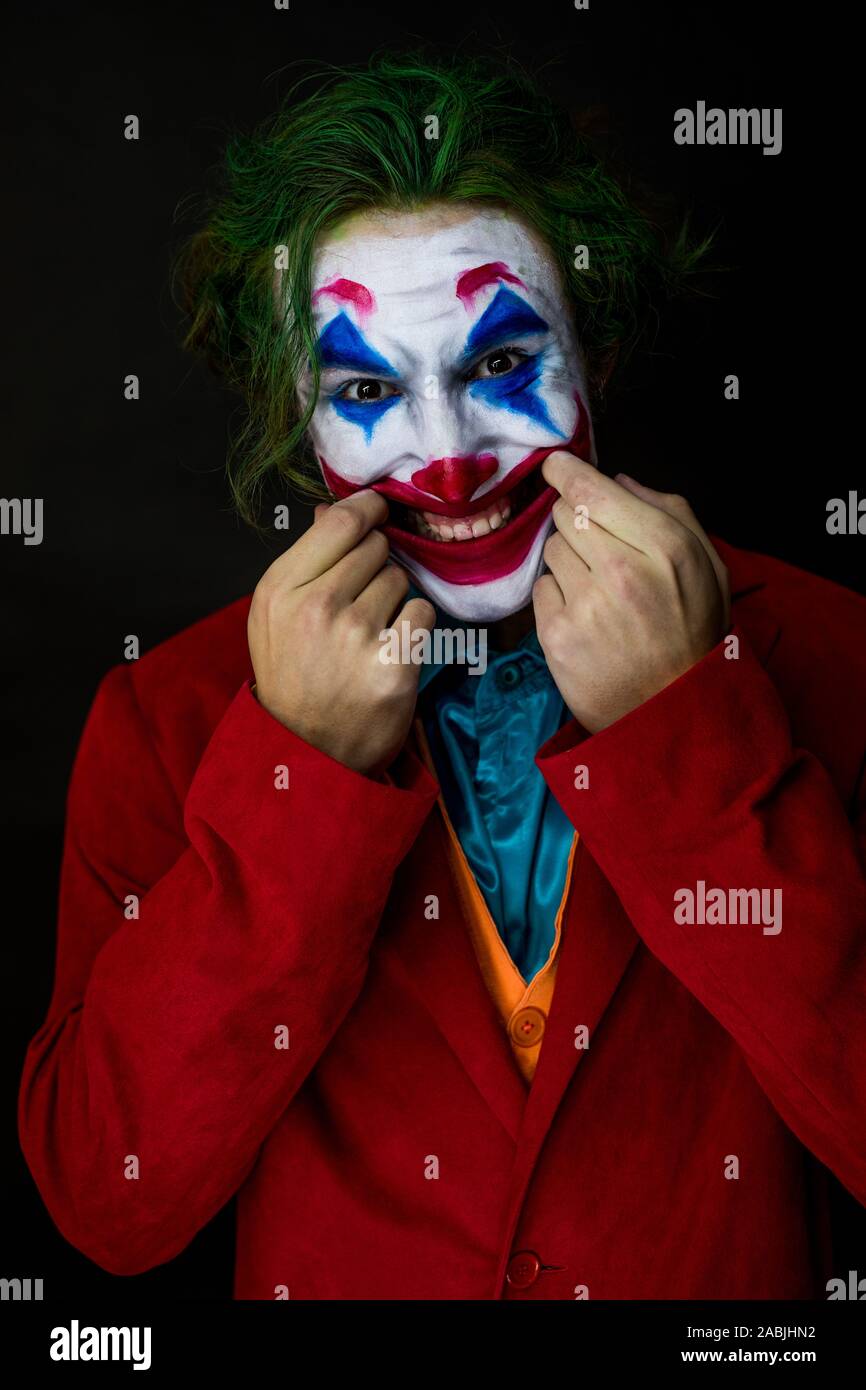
<point x="497" y="363"/>
<point x="366" y="391"/>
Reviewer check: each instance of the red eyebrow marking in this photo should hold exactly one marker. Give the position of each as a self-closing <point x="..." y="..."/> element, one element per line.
<point x="471" y="281"/>
<point x="351" y="291"/>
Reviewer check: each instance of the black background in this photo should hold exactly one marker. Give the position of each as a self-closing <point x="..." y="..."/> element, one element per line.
<point x="139" y="533"/>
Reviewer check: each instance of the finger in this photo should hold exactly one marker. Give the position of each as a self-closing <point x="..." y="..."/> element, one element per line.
<point x="348" y="578"/>
<point x="548" y="599"/>
<point x="679" y="509"/>
<point x="586" y="538"/>
<point x="419" y="613"/>
<point x="608" y="504"/>
<point x="335" y="531"/>
<point x="568" y="569"/>
<point x="378" y="602"/>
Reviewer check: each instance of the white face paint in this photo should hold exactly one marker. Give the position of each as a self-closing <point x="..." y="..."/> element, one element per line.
<point x="449" y="371"/>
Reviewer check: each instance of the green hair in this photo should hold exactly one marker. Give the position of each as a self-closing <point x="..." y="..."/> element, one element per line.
<point x="360" y="141"/>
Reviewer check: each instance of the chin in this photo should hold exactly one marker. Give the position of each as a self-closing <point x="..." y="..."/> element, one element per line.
<point x="484" y="601"/>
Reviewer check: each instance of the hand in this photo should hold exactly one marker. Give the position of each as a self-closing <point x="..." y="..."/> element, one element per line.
<point x="635" y="596"/>
<point x="313" y="634"/>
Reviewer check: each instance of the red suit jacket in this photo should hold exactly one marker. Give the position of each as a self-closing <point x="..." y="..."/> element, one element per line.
<point x="156" y="1089"/>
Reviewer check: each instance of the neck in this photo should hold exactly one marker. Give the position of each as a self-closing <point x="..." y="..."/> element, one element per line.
<point x="504" y="635"/>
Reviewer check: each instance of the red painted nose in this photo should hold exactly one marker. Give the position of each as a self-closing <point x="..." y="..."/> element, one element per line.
<point x="455" y="479"/>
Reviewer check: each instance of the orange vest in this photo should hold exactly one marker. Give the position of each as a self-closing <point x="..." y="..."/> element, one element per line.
<point x="523" y="1007"/>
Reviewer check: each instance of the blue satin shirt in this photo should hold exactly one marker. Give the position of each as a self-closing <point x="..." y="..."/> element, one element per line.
<point x="484" y="732"/>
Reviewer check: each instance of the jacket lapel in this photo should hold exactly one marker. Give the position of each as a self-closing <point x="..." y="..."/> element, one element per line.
<point x="598" y="944"/>
<point x="435" y="959"/>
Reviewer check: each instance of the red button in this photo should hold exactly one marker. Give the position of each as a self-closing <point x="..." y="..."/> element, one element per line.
<point x="523" y="1269"/>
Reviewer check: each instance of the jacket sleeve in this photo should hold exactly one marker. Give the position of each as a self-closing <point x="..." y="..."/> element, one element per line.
<point x="702" y="783"/>
<point x="176" y="1037"/>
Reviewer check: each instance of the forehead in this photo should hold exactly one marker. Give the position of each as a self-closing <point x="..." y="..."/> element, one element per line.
<point x="393" y="262"/>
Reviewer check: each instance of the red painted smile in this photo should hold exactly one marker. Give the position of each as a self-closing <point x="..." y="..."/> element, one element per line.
<point x="475" y="541"/>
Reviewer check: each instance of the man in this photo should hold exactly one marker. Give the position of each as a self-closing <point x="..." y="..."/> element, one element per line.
<point x="544" y="982"/>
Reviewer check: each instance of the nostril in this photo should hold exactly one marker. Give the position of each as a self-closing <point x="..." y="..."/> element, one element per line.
<point x="456" y="478"/>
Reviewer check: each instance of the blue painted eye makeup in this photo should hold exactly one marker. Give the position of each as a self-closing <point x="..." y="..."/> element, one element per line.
<point x="508" y="316"/>
<point x="342" y="345"/>
<point x="516" y="390"/>
<point x="364" y="413"/>
<point x="513" y="388"/>
<point x="504" y="377"/>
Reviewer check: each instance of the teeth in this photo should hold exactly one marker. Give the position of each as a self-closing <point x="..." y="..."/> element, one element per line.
<point x="463" y="528"/>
